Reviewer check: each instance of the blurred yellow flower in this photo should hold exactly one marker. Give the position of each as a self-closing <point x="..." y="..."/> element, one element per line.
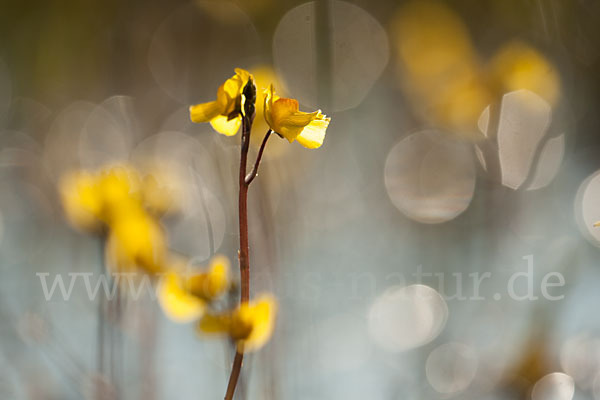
<point x="136" y="240"/>
<point x="176" y="301"/>
<point x="285" y="119"/>
<point x="81" y="200"/>
<point x="518" y="66"/>
<point x="250" y="326"/>
<point x="212" y="283"/>
<point x="225" y="113"/>
<point x="184" y="296"/>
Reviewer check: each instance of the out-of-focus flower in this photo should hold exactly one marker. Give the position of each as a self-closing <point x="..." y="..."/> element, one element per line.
<point x="90" y="199"/>
<point x="443" y="76"/>
<point x="136" y="240"/>
<point x="284" y="118"/>
<point x="519" y="66"/>
<point x="597" y="224"/>
<point x="225" y="113"/>
<point x="81" y="200"/>
<point x="183" y="296"/>
<point x="214" y="282"/>
<point x="176" y="301"/>
<point x="250" y="326"/>
<point x="440" y="68"/>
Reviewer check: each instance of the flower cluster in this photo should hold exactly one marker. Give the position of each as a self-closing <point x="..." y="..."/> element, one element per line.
<point x="281" y="114"/>
<point x="187" y="295"/>
<point x="123" y="205"/>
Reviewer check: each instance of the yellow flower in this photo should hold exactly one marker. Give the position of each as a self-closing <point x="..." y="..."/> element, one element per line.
<point x="90" y="199"/>
<point x="176" y="301"/>
<point x="518" y="66"/>
<point x="250" y="326"/>
<point x="212" y="283"/>
<point x="597" y="224"/>
<point x="136" y="240"/>
<point x="81" y="200"/>
<point x="283" y="117"/>
<point x="183" y="297"/>
<point x="225" y="113"/>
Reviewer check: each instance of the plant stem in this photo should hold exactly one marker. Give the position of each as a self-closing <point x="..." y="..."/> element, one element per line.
<point x="247" y="119"/>
<point x="250" y="177"/>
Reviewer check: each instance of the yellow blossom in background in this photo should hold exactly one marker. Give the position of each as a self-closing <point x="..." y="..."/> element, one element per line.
<point x="119" y="188"/>
<point x="518" y="66"/>
<point x="250" y="326"/>
<point x="136" y="240"/>
<point x="284" y="118"/>
<point x="183" y="295"/>
<point x="212" y="283"/>
<point x="440" y="68"/>
<point x="176" y="301"/>
<point x="81" y="200"/>
<point x="225" y="113"/>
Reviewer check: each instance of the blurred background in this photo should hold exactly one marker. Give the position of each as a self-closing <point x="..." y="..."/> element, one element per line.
<point x="464" y="141"/>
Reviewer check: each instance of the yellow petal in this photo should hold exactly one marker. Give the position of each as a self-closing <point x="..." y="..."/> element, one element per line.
<point x="206" y="111"/>
<point x="227" y="127"/>
<point x="218" y="275"/>
<point x="597" y="224"/>
<point x="243" y="74"/>
<point x="214" y="324"/>
<point x="313" y="135"/>
<point x="178" y="304"/>
<point x="82" y="200"/>
<point x="260" y="315"/>
<point x="136" y="241"/>
<point x="212" y="283"/>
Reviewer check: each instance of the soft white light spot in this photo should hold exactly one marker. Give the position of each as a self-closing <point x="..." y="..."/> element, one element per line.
<point x="484" y="121"/>
<point x="451" y="367"/>
<point x="524" y="120"/>
<point x="429" y="178"/>
<point x="549" y="162"/>
<point x="480" y="157"/>
<point x="403" y="318"/>
<point x="555" y="386"/>
<point x="587" y="209"/>
<point x="580" y="358"/>
<point x="358" y="51"/>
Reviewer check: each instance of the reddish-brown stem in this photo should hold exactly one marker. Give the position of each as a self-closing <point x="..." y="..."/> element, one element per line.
<point x="250" y="177"/>
<point x="243" y="222"/>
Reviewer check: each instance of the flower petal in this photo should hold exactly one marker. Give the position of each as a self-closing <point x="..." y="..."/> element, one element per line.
<point x="177" y="303"/>
<point x="260" y="314"/>
<point x="214" y="324"/>
<point x="206" y="111"/>
<point x="227" y="127"/>
<point x="313" y="135"/>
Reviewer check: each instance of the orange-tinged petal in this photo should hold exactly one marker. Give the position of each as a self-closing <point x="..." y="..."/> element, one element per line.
<point x="283" y="117"/>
